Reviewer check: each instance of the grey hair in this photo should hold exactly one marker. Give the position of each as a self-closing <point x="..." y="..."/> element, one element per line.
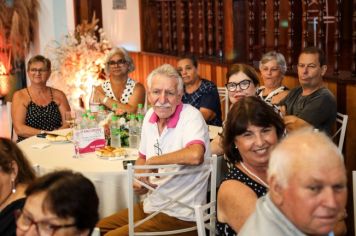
<point x="296" y="147"/>
<point x="122" y="52"/>
<point x="169" y="71"/>
<point x="273" y="55"/>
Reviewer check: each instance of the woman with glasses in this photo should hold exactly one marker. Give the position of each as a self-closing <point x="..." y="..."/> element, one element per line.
<point x="242" y="82"/>
<point x="38" y="107"/>
<point x="272" y="67"/>
<point x="15" y="175"/>
<point x="120" y="89"/>
<point x="250" y="132"/>
<point x="59" y="203"/>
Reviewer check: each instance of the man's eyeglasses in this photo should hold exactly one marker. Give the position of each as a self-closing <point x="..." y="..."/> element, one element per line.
<point x="158" y="150"/>
<point x="118" y="62"/>
<point x="43" y="227"/>
<point x="41" y="71"/>
<point x="243" y="85"/>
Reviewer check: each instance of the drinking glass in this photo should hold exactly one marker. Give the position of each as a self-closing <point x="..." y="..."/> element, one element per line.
<point x="70" y="118"/>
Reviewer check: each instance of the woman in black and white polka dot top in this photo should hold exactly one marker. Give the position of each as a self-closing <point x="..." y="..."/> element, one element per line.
<point x="120" y="89"/>
<point x="38" y="107"/>
<point x="251" y="130"/>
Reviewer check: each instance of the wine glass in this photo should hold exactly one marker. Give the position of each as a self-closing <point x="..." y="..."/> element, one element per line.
<point x="70" y="118"/>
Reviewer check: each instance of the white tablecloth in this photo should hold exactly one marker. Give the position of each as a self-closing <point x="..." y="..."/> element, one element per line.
<point x="109" y="177"/>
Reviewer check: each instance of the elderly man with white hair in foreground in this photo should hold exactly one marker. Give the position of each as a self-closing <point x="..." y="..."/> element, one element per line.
<point x="307" y="194"/>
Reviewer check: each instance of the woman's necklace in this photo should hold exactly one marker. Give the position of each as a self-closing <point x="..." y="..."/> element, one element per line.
<point x="258" y="178"/>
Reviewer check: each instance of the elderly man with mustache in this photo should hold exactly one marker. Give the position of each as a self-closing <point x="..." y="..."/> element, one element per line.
<point x="172" y="133"/>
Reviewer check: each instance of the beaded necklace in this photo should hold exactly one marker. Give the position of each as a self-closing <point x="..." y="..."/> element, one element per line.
<point x="250" y="172"/>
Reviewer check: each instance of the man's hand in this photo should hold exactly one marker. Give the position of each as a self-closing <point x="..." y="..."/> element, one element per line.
<point x="139" y="189"/>
<point x="294" y="123"/>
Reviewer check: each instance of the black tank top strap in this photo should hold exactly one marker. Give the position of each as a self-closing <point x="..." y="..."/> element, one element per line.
<point x="29" y="94"/>
<point x="50" y="89"/>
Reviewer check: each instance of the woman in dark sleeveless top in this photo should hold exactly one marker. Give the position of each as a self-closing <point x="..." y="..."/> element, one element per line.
<point x="38" y="108"/>
<point x="251" y="130"/>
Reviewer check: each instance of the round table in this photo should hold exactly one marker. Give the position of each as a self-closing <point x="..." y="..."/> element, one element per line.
<point x="109" y="177"/>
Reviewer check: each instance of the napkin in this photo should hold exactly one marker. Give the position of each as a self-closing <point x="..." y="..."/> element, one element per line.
<point x="40" y="145"/>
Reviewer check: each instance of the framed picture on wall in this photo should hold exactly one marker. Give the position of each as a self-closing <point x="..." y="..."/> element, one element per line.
<point x="118" y="4"/>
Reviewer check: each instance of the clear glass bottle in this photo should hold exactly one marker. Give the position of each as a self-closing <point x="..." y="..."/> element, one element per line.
<point x="94" y="101"/>
<point x="115" y="139"/>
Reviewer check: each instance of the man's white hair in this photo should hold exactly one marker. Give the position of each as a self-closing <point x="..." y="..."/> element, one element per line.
<point x="168" y="71"/>
<point x="298" y="145"/>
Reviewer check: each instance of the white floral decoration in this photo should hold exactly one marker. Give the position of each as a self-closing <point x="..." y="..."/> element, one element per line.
<point x="77" y="64"/>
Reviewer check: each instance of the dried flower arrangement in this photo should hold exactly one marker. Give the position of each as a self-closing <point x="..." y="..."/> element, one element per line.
<point x="78" y="61"/>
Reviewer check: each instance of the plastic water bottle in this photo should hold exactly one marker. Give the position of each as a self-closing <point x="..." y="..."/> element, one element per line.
<point x="139" y="126"/>
<point x="84" y="121"/>
<point x="92" y="122"/>
<point x="114" y="108"/>
<point x="94" y="101"/>
<point x="140" y="110"/>
<point x="133" y="132"/>
<point x="101" y="115"/>
<point x="115" y="132"/>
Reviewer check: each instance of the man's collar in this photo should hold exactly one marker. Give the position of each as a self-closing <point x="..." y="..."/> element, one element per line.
<point x="172" y="121"/>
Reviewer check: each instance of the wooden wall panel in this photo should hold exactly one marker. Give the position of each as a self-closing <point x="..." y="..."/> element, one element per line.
<point x="146" y="62"/>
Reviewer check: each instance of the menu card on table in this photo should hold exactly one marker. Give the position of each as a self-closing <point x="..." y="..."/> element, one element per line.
<point x="89" y="140"/>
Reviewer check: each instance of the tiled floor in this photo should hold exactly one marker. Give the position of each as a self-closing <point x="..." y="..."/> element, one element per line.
<point x="4" y="122"/>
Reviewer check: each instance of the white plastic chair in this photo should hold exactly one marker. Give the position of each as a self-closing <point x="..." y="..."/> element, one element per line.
<point x="224" y="98"/>
<point x="341" y="124"/>
<point x="96" y="232"/>
<point x="208" y="168"/>
<point x="9" y="119"/>
<point x="206" y="218"/>
<point x="354" y="194"/>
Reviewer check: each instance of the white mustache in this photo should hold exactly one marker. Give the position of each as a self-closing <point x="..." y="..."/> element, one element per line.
<point x="159" y="105"/>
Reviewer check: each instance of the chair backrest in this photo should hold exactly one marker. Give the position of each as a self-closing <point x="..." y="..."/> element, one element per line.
<point x="354" y="194"/>
<point x="341" y="124"/>
<point x="96" y="232"/>
<point x="9" y="119"/>
<point x="207" y="168"/>
<point x="224" y="98"/>
<point x="206" y="214"/>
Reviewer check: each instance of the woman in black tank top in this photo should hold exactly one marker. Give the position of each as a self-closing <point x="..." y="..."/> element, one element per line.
<point x="38" y="108"/>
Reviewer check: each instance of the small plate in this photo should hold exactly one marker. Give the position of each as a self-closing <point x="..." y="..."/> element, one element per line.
<point x="59" y="141"/>
<point x="116" y="158"/>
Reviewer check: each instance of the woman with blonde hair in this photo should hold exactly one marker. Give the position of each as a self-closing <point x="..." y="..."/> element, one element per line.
<point x="38" y="108"/>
